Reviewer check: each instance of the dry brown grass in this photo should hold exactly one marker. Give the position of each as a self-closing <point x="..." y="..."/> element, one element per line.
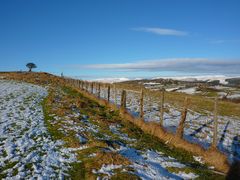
<point x="110" y="158"/>
<point x="211" y="157"/>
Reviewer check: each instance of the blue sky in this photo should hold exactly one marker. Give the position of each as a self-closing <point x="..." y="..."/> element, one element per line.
<point x="121" y="38"/>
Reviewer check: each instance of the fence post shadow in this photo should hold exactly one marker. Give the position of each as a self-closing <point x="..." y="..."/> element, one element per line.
<point x="234" y="171"/>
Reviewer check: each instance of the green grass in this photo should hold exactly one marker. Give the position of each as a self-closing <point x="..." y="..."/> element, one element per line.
<point x="8" y="165"/>
<point x="52" y="129"/>
<point x="103" y="117"/>
<point x="77" y="171"/>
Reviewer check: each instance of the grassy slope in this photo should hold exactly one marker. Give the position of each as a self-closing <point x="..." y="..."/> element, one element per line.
<point x="102" y="117"/>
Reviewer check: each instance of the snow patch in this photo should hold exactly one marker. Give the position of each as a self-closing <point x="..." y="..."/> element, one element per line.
<point x="188" y="90"/>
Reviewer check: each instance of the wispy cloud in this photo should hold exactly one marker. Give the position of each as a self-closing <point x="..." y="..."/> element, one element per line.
<point x="222" y="41"/>
<point x="161" y="31"/>
<point x="201" y="65"/>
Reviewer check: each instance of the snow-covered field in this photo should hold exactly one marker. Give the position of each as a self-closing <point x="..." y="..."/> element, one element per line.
<point x="148" y="164"/>
<point x="198" y="127"/>
<point x="26" y="148"/>
<point x="207" y="78"/>
<point x="188" y="90"/>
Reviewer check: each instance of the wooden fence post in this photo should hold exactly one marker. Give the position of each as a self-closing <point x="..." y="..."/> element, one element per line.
<point x="82" y="85"/>
<point x="79" y="84"/>
<point x="115" y="94"/>
<point x="215" y="126"/>
<point x="87" y="88"/>
<point x="180" y="129"/>
<point x="96" y="88"/>
<point x="141" y="105"/>
<point x="92" y="87"/>
<point x="108" y="97"/>
<point x="99" y="90"/>
<point x="162" y="108"/>
<point x="123" y="99"/>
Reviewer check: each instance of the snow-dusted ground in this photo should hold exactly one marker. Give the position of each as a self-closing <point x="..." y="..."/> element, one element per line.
<point x="234" y="96"/>
<point x="147" y="164"/>
<point x="198" y="127"/>
<point x="207" y="78"/>
<point x="188" y="90"/>
<point x="26" y="148"/>
<point x="152" y="165"/>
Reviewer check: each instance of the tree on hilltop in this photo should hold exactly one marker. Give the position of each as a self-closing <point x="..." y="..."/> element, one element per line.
<point x="30" y="66"/>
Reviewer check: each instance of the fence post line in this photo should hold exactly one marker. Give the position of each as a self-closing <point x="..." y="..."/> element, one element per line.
<point x="141" y="104"/>
<point x="215" y="126"/>
<point x="180" y="129"/>
<point x="162" y="107"/>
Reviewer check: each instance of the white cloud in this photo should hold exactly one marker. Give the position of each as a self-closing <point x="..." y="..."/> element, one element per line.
<point x="202" y="65"/>
<point x="220" y="41"/>
<point x="161" y="31"/>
